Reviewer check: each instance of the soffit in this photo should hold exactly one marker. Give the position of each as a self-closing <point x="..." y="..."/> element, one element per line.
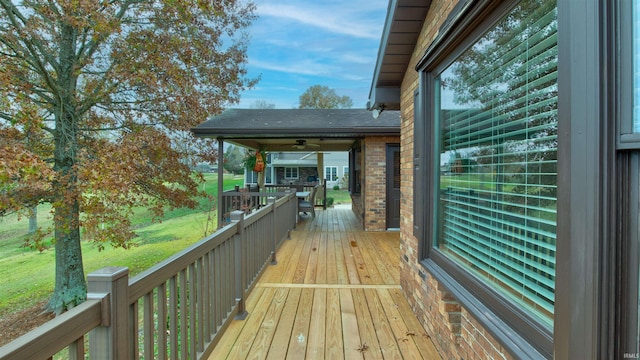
<point x="401" y="31"/>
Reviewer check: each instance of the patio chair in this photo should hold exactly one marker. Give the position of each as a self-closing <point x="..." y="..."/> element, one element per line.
<point x="309" y="205"/>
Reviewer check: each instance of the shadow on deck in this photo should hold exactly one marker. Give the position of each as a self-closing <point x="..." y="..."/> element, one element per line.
<point x="333" y="294"/>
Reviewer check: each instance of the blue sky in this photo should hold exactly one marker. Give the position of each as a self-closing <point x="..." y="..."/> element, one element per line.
<point x="295" y="44"/>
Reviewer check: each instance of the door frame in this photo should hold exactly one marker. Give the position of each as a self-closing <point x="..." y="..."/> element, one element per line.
<point x="390" y="216"/>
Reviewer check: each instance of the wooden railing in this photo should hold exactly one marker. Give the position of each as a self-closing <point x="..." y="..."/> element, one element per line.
<point x="179" y="308"/>
<point x="321" y="198"/>
<point x="248" y="199"/>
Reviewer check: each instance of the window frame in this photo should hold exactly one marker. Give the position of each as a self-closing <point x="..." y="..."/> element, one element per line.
<point x="332" y="168"/>
<point x="627" y="138"/>
<point x="291" y="168"/>
<point x="626" y="274"/>
<point x="597" y="174"/>
<point x="515" y="328"/>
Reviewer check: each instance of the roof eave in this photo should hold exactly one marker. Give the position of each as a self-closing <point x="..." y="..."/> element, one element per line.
<point x="376" y="99"/>
<point x="385" y="93"/>
<point x="296" y="133"/>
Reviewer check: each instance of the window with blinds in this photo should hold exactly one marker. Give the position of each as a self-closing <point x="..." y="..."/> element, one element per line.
<point x="496" y="108"/>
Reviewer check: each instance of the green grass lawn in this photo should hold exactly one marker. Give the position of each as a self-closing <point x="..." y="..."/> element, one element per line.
<point x="339" y="196"/>
<point x="28" y="275"/>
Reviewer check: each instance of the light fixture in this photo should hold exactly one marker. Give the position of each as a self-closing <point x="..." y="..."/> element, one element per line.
<point x="377" y="111"/>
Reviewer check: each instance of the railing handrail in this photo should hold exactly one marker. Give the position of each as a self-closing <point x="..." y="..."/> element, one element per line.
<point x="56" y="334"/>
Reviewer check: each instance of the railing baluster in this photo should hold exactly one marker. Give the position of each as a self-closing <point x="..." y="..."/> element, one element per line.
<point x="193" y="314"/>
<point x="173" y="318"/>
<point x="161" y="337"/>
<point x="200" y="320"/>
<point x="184" y="315"/>
<point x="76" y="349"/>
<point x="211" y="295"/>
<point x="219" y="286"/>
<point x="134" y="330"/>
<point x="148" y="325"/>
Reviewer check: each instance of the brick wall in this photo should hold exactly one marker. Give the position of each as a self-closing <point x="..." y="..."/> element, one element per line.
<point x="374" y="179"/>
<point x="454" y="331"/>
<point x="357" y="207"/>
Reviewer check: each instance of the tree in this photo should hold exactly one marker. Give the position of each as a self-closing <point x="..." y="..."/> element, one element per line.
<point x="233" y="160"/>
<point x="322" y="97"/>
<point x="91" y="95"/>
<point x="263" y="104"/>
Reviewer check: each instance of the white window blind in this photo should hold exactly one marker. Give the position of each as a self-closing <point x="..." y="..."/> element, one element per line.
<point x="498" y="153"/>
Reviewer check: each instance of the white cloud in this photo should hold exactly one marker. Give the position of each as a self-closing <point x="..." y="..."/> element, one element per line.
<point x="338" y="20"/>
<point x="358" y="59"/>
<point x="302" y="68"/>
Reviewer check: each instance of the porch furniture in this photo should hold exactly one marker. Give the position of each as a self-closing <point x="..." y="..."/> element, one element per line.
<point x="308" y="205"/>
<point x="302" y="195"/>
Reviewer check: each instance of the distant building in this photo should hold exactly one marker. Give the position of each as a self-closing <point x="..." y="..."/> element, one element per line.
<point x="299" y="168"/>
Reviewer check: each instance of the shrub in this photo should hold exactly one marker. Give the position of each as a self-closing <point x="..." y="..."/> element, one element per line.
<point x="336" y="187"/>
<point x="330" y="201"/>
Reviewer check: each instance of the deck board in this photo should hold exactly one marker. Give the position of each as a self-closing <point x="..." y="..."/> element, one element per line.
<point x="333" y="294"/>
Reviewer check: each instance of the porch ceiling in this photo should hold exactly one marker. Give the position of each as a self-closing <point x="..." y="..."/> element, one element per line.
<point x="278" y="130"/>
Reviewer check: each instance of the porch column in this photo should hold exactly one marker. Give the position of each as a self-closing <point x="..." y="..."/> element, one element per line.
<point x="320" y="157"/>
<point x="322" y="179"/>
<point x="220" y="180"/>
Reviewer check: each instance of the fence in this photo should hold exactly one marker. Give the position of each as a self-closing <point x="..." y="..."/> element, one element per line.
<point x="248" y="199"/>
<point x="179" y="308"/>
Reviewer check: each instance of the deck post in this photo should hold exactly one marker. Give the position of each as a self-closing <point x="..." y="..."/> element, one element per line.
<point x="271" y="201"/>
<point x="294" y="208"/>
<point x="237" y="217"/>
<point x="220" y="173"/>
<point x="111" y="339"/>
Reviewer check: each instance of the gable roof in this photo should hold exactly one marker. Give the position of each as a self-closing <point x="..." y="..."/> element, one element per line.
<point x="278" y="129"/>
<point x="400" y="33"/>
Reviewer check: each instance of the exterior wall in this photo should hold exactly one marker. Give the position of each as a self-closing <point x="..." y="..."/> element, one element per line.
<point x="340" y="160"/>
<point x="357" y="207"/>
<point x="303" y="174"/>
<point x="456" y="334"/>
<point x="374" y="180"/>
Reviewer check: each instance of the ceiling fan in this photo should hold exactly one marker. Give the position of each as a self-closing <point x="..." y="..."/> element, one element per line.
<point x="302" y="144"/>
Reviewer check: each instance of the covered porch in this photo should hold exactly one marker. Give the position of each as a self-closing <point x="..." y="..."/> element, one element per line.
<point x="373" y="171"/>
<point x="334" y="293"/>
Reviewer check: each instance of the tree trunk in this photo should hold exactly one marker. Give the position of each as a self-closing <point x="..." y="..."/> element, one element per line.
<point x="70" y="288"/>
<point x="33" y="219"/>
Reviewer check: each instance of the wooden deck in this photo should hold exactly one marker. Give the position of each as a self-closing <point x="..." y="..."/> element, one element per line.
<point x="334" y="294"/>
